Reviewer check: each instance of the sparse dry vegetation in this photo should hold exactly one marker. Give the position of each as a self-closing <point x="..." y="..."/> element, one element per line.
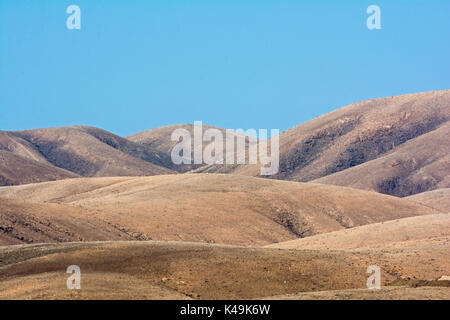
<point x="369" y="186"/>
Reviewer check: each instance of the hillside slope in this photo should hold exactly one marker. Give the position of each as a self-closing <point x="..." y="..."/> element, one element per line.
<point x="84" y="151"/>
<point x="416" y="166"/>
<point x="395" y="233"/>
<point x="174" y="270"/>
<point x="15" y="169"/>
<point x="360" y="132"/>
<point x="26" y="222"/>
<point x="160" y="139"/>
<point x="438" y="199"/>
<point x="396" y="145"/>
<point x="217" y="208"/>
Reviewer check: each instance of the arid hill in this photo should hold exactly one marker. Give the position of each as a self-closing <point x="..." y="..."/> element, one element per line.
<point x="216" y="208"/>
<point x="27" y="222"/>
<point x="385" y="293"/>
<point x="15" y="169"/>
<point x="438" y="199"/>
<point x="160" y="139"/>
<point x="417" y="165"/>
<point x="399" y="233"/>
<point x="175" y="270"/>
<point x="396" y="145"/>
<point x="360" y="132"/>
<point x="79" y="150"/>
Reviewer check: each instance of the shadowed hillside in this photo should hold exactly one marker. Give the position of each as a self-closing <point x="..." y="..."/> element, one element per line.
<point x="416" y="166"/>
<point x="84" y="151"/>
<point x="396" y="145"/>
<point x="215" y="208"/>
<point x="15" y="169"/>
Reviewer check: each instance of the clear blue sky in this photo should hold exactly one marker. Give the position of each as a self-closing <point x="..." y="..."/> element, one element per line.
<point x="136" y="65"/>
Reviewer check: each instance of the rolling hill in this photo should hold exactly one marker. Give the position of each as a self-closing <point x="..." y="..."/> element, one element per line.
<point x="15" y="169"/>
<point x="365" y="184"/>
<point x="438" y="199"/>
<point x="54" y="153"/>
<point x="399" y="233"/>
<point x="215" y="208"/>
<point x="160" y="139"/>
<point x="27" y="222"/>
<point x="180" y="270"/>
<point x="360" y="132"/>
<point x="395" y="145"/>
<point x="416" y="166"/>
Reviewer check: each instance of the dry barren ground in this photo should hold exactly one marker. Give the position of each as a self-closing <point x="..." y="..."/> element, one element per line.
<point x="62" y="152"/>
<point x="214" y="208"/>
<point x="438" y="199"/>
<point x="161" y="270"/>
<point x="413" y="231"/>
<point x="385" y="293"/>
<point x="347" y="229"/>
<point x="394" y="145"/>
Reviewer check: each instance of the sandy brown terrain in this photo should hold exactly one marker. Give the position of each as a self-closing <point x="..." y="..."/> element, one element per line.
<point x="399" y="233"/>
<point x="161" y="270"/>
<point x="385" y="293"/>
<point x="412" y="251"/>
<point x="438" y="199"/>
<point x="27" y="222"/>
<point x="214" y="208"/>
<point x="95" y="285"/>
<point x="414" y="167"/>
<point x="15" y="169"/>
<point x="370" y="186"/>
<point x="416" y="245"/>
<point x="53" y="153"/>
<point x="160" y="139"/>
<point x="395" y="145"/>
